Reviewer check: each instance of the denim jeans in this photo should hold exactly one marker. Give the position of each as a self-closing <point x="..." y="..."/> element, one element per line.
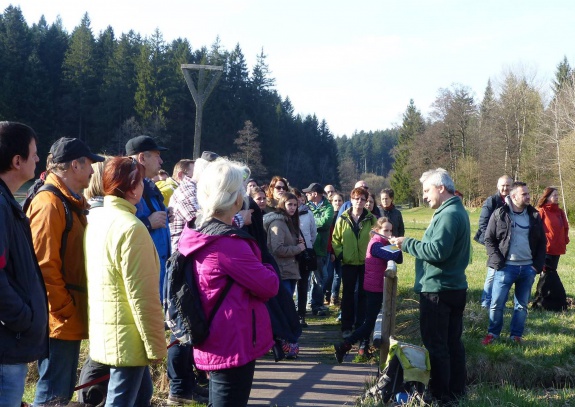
<point x="129" y="386"/>
<point x="58" y="372"/>
<point x="290" y="285"/>
<point x="441" y="324"/>
<point x="12" y="379"/>
<point x="336" y="284"/>
<point x="317" y="284"/>
<point x="231" y="387"/>
<point x="180" y="369"/>
<point x="522" y="277"/>
<point x="487" y="288"/>
<point x="352" y="277"/>
<point x="373" y="303"/>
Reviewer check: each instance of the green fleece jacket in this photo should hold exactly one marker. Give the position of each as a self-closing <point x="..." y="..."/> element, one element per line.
<point x="323" y="216"/>
<point x="441" y="257"/>
<point x="349" y="241"/>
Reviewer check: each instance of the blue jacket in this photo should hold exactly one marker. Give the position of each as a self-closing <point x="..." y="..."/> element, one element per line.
<point x="23" y="303"/>
<point x="153" y="201"/>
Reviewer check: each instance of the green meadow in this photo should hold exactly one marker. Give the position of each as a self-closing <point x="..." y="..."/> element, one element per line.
<point x="539" y="372"/>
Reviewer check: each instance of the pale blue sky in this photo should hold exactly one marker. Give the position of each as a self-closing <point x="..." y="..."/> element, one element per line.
<point x="355" y="64"/>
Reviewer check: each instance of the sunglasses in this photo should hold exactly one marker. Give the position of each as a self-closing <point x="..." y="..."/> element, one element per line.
<point x="280" y="187"/>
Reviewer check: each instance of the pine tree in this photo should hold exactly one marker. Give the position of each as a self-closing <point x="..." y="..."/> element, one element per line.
<point x="80" y="81"/>
<point x="402" y="182"/>
<point x="249" y="150"/>
<point x="562" y="76"/>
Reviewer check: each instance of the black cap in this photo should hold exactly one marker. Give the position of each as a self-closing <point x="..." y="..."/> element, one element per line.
<point x="142" y="143"/>
<point x="68" y="149"/>
<point x="314" y="187"/>
<point x="209" y="156"/>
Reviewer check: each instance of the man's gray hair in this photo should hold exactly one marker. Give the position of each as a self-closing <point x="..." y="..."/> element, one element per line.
<point x="438" y="177"/>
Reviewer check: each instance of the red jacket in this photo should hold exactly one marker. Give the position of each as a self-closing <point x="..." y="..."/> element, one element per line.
<point x="556" y="228"/>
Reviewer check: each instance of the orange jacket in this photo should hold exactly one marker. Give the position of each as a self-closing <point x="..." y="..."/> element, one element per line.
<point x="67" y="290"/>
<point x="556" y="228"/>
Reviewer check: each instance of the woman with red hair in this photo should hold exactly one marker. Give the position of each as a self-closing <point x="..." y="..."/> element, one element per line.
<point x="550" y="294"/>
<point x="126" y="321"/>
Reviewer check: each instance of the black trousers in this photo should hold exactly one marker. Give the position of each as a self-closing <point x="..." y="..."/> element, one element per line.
<point x="441" y="324"/>
<point x="352" y="277"/>
<point x="231" y="387"/>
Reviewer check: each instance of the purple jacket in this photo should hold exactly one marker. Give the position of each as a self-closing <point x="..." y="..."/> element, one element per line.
<point x="376" y="259"/>
<point x="241" y="329"/>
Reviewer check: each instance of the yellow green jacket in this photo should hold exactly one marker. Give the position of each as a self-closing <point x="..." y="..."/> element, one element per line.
<point x="167" y="188"/>
<point x="126" y="322"/>
<point x="349" y="243"/>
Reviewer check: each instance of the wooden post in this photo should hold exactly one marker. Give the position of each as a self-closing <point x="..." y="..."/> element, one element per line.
<point x="388" y="315"/>
<point x="200" y="95"/>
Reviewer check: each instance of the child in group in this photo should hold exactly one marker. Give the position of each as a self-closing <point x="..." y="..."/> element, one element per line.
<point x="376" y="263"/>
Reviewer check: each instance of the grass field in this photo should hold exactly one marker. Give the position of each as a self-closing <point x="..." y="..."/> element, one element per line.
<point x="539" y="372"/>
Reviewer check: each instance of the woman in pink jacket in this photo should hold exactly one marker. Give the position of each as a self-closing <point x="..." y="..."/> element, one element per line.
<point x="241" y="329"/>
<point x="376" y="260"/>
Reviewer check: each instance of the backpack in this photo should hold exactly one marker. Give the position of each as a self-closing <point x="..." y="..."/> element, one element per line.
<point x="183" y="311"/>
<point x="406" y="374"/>
<point x="39" y="186"/>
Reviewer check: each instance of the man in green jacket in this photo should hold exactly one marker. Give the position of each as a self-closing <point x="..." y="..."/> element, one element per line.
<point x="323" y="216"/>
<point x="441" y="259"/>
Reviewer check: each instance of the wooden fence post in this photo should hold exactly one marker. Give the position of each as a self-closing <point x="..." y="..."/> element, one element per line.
<point x="388" y="315"/>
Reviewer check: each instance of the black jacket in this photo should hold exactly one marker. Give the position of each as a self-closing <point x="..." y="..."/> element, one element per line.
<point x="498" y="237"/>
<point x="396" y="220"/>
<point x="23" y="301"/>
<point x="489" y="206"/>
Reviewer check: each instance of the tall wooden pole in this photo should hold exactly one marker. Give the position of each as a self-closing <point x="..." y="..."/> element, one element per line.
<point x="200" y="95"/>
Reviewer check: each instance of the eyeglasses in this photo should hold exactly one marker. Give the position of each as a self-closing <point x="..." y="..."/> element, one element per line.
<point x="278" y="187"/>
<point x="364" y="187"/>
<point x="359" y="198"/>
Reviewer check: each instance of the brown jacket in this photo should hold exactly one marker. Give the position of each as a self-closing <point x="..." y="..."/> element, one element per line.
<point x="67" y="289"/>
<point x="282" y="245"/>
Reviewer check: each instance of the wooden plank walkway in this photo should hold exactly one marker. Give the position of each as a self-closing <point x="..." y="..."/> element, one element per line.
<point x="315" y="378"/>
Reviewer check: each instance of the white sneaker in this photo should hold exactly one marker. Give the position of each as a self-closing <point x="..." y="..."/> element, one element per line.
<point x="391" y="270"/>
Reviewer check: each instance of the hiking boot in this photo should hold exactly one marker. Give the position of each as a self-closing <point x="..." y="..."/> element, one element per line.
<point x="346" y="334"/>
<point x="334" y="301"/>
<point x="193" y="397"/>
<point x="319" y="312"/>
<point x="285" y="346"/>
<point x="293" y="351"/>
<point x="302" y="322"/>
<point x="364" y="348"/>
<point x="516" y="339"/>
<point x="340" y="350"/>
<point x="488" y="340"/>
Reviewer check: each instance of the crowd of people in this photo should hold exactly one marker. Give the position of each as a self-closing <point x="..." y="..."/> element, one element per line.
<point x="85" y="258"/>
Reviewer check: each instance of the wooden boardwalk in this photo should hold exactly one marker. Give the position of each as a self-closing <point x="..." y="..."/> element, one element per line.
<point x="315" y="378"/>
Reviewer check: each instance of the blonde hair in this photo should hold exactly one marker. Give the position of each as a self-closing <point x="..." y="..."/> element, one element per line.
<point x="96" y="187"/>
<point x="219" y="186"/>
